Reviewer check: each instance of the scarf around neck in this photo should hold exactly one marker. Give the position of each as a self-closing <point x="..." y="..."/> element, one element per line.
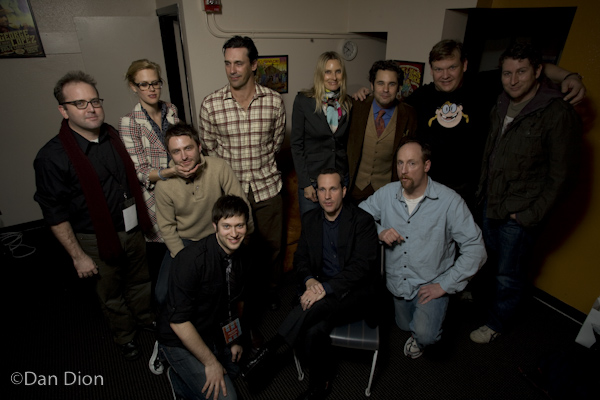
<point x="332" y="109"/>
<point x="109" y="246"/>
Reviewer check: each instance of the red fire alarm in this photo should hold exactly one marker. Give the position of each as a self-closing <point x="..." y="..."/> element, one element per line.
<point x="212" y="6"/>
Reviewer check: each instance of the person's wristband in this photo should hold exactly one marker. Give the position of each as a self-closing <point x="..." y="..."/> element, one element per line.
<point x="160" y="175"/>
<point x="573" y="73"/>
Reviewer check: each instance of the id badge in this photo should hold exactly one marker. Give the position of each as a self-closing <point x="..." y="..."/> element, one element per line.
<point x="129" y="214"/>
<point x="232" y="330"/>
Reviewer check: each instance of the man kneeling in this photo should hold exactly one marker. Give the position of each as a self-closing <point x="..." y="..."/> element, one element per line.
<point x="199" y="327"/>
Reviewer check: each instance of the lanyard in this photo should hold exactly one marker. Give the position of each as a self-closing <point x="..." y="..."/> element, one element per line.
<point x="227" y="272"/>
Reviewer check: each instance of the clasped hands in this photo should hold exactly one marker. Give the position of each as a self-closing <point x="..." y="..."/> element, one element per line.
<point x="313" y="293"/>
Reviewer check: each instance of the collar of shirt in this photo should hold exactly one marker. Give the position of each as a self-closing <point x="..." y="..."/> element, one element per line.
<point x="85" y="144"/>
<point x="163" y="118"/>
<point x="429" y="192"/>
<point x="259" y="91"/>
<point x="389" y="112"/>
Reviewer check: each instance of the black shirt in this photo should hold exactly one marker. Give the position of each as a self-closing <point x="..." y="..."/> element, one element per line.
<point x="331" y="264"/>
<point x="455" y="125"/>
<point x="59" y="192"/>
<point x="198" y="291"/>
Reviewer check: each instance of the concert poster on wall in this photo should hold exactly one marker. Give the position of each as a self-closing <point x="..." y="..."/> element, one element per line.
<point x="19" y="36"/>
<point x="413" y="76"/>
<point x="272" y="72"/>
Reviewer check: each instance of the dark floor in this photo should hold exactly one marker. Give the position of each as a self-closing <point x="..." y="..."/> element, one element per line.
<point x="60" y="348"/>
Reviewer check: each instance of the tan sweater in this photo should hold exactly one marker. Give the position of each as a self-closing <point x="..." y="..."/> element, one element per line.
<point x="184" y="207"/>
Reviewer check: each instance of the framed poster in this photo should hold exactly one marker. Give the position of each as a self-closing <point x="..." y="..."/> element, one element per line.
<point x="413" y="76"/>
<point x="19" y="36"/>
<point x="272" y="72"/>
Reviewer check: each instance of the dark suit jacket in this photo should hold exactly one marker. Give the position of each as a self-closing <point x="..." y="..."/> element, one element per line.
<point x="314" y="146"/>
<point x="357" y="251"/>
<point x="406" y="126"/>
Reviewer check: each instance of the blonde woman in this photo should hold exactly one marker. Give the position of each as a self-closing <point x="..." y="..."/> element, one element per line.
<point x="143" y="132"/>
<point x="320" y="122"/>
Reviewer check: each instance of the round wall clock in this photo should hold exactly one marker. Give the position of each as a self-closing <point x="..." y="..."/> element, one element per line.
<point x="348" y="49"/>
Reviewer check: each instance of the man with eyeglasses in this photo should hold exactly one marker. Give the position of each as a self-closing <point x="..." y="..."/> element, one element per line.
<point x="89" y="195"/>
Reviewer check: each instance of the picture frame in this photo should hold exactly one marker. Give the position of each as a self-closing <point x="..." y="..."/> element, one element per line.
<point x="19" y="35"/>
<point x="413" y="76"/>
<point x="272" y="72"/>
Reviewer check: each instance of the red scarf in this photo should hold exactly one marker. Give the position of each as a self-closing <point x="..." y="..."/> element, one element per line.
<point x="109" y="245"/>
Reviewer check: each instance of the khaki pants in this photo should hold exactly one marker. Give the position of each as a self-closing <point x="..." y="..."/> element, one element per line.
<point x="123" y="286"/>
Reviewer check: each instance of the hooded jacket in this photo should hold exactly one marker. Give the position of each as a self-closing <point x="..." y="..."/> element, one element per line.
<point x="524" y="170"/>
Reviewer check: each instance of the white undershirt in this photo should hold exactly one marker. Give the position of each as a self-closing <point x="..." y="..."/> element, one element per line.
<point x="412" y="203"/>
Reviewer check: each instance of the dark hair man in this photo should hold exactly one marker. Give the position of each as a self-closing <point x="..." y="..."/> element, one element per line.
<point x="377" y="126"/>
<point x="89" y="195"/>
<point x="531" y="151"/>
<point x="244" y="124"/>
<point x="336" y="271"/>
<point x="453" y="113"/>
<point x="423" y="223"/>
<point x="199" y="329"/>
<point x="183" y="204"/>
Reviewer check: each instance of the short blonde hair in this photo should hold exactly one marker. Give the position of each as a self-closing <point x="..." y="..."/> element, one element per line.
<point x="138" y="66"/>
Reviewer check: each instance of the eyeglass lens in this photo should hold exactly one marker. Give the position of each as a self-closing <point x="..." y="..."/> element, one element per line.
<point x="146" y="85"/>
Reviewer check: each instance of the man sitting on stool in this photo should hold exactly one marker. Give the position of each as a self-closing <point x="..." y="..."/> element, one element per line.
<point x="336" y="271"/>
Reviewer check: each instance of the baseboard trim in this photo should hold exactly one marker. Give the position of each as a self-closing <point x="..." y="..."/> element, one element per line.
<point x="26" y="226"/>
<point x="559" y="306"/>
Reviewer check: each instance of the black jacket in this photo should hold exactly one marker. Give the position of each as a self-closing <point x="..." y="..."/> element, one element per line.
<point x="357" y="251"/>
<point x="525" y="170"/>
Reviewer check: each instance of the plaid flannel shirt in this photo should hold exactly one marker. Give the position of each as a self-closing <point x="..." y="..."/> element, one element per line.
<point x="247" y="139"/>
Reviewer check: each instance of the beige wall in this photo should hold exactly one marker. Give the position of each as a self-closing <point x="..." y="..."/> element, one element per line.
<point x="413" y="27"/>
<point x="28" y="109"/>
<point x="293" y="29"/>
<point x="29" y="117"/>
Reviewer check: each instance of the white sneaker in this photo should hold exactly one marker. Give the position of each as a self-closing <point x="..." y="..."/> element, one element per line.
<point x="411" y="349"/>
<point x="155" y="365"/>
<point x="484" y="334"/>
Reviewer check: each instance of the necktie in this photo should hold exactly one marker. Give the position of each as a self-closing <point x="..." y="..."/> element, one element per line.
<point x="379" y="124"/>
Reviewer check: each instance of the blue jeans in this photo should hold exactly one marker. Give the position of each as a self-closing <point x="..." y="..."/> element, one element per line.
<point x="424" y="321"/>
<point x="509" y="245"/>
<point x="189" y="377"/>
<point x="162" y="281"/>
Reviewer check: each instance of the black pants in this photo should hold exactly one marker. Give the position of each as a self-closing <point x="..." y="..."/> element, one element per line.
<point x="308" y="331"/>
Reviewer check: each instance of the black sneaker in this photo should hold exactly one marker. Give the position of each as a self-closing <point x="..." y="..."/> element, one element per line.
<point x="255" y="363"/>
<point x="130" y="351"/>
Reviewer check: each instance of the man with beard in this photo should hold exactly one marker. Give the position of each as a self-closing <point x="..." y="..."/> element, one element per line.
<point x="183" y="204"/>
<point x="422" y="222"/>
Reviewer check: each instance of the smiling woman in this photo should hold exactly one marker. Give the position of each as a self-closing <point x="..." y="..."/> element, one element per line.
<point x="320" y="123"/>
<point x="143" y="133"/>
